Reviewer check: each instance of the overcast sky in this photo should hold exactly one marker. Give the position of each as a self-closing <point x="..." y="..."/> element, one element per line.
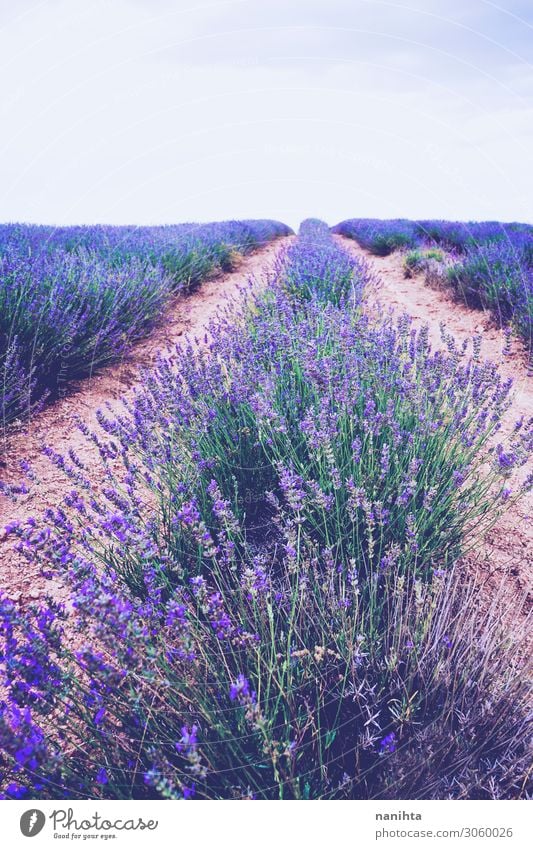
<point x="148" y="111"/>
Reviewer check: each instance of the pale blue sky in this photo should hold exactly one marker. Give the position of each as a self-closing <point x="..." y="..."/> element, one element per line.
<point x="140" y="111"/>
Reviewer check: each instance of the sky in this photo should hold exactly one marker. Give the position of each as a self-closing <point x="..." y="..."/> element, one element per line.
<point x="162" y="111"/>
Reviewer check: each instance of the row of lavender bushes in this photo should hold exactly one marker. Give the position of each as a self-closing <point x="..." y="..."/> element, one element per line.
<point x="264" y="603"/>
<point x="490" y="264"/>
<point x="74" y="299"/>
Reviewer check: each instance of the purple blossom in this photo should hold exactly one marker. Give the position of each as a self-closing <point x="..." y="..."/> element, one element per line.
<point x="99" y="716"/>
<point x="102" y="776"/>
<point x="292" y="486"/>
<point x="218" y="617"/>
<point x="388" y="744"/>
<point x="240" y="689"/>
<point x="189" y="740"/>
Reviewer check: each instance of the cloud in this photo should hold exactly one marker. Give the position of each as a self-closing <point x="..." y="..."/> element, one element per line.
<point x="135" y="110"/>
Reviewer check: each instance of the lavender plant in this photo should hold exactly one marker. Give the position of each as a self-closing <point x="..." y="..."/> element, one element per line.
<point x="459" y="236"/>
<point x="249" y="686"/>
<point x="498" y="276"/>
<point x="17" y="384"/>
<point x="316" y="268"/>
<point x="380" y="237"/>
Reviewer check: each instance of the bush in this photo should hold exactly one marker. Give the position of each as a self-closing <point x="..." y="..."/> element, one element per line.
<point x="242" y="686"/>
<point x="459" y="236"/>
<point x="380" y="237"/>
<point x="417" y="260"/>
<point x="315" y="268"/>
<point x="497" y="277"/>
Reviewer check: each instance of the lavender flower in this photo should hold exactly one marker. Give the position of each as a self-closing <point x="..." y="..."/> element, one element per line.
<point x="388" y="744"/>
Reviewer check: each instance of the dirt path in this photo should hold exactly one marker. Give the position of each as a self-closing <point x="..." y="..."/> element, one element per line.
<point x="508" y="546"/>
<point x="55" y="425"/>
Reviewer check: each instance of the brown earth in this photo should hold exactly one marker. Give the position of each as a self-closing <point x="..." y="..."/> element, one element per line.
<point x="507" y="550"/>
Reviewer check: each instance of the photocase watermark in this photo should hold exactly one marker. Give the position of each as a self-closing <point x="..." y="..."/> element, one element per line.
<point x="68" y="826"/>
<point x="32" y="822"/>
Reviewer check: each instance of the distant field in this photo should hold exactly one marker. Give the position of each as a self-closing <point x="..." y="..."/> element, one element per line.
<point x="73" y="299"/>
<point x="488" y="264"/>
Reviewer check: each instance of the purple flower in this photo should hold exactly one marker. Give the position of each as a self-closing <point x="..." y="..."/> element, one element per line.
<point x="458" y="477"/>
<point x="14" y="791"/>
<point x="99" y="716"/>
<point x="176" y="614"/>
<point x="292" y="486"/>
<point x="388" y="744"/>
<point x="240" y="689"/>
<point x="101" y="776"/>
<point x="505" y="460"/>
<point x="189" y="739"/>
<point x="218" y="617"/>
<point x="199" y="586"/>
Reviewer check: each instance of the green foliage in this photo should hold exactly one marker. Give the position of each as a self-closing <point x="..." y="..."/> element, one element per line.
<point x="418" y="260"/>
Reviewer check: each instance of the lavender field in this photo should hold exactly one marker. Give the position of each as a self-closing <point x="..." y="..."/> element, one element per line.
<point x="266" y="590"/>
<point x="75" y="298"/>
<point x="486" y="264"/>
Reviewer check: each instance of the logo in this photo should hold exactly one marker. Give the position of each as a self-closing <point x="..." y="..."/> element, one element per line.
<point x="32" y="822"/>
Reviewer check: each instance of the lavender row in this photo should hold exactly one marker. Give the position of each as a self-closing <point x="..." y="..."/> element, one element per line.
<point x="75" y="299"/>
<point x="264" y="601"/>
<point x="156" y="244"/>
<point x="383" y="236"/>
<point x="487" y="264"/>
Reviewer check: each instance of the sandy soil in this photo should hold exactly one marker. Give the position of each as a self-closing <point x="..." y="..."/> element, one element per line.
<point x="507" y="552"/>
<point x="55" y="426"/>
